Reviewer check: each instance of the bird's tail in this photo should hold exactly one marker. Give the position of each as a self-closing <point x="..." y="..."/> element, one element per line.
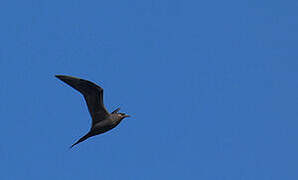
<point x="82" y="139"/>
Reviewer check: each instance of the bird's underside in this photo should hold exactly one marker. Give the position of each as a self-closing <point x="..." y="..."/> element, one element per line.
<point x="102" y="120"/>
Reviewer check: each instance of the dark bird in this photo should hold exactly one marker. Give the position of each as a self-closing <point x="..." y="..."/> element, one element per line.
<point x="102" y="120"/>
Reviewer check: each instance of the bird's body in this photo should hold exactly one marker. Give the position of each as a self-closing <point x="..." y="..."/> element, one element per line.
<point x="102" y="120"/>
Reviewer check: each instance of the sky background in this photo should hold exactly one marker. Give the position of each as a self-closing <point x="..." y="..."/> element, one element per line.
<point x="211" y="87"/>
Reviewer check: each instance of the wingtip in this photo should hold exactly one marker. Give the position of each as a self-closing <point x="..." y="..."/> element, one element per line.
<point x="58" y="76"/>
<point x="66" y="77"/>
<point x="70" y="147"/>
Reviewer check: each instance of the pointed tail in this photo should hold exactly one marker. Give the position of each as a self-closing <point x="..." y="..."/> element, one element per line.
<point x="82" y="139"/>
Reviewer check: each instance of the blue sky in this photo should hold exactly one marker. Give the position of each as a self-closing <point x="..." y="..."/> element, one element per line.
<point x="211" y="87"/>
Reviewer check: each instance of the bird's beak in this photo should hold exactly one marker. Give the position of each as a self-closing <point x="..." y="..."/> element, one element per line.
<point x="126" y="115"/>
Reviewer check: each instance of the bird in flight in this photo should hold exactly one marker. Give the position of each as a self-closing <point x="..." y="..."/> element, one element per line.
<point x="102" y="120"/>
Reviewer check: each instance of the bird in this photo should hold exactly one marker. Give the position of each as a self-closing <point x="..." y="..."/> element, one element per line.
<point x="102" y="120"/>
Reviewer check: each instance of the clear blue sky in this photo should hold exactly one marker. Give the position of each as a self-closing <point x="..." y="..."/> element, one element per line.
<point x="211" y="87"/>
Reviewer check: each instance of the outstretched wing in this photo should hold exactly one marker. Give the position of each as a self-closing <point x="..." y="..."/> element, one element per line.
<point x="93" y="95"/>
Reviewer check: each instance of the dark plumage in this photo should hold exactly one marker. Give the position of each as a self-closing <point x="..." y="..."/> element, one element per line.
<point x="102" y="120"/>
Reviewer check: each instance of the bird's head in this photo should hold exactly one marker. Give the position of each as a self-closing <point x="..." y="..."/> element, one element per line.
<point x="122" y="115"/>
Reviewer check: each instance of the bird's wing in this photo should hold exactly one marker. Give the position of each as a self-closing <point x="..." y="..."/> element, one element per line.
<point x="93" y="95"/>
